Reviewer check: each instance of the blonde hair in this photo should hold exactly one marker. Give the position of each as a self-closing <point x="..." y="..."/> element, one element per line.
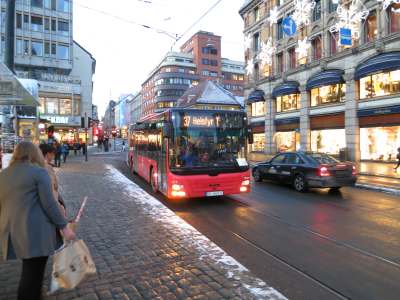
<point x="28" y="152"/>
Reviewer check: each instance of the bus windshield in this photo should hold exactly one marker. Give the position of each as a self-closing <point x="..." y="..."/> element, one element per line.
<point x="207" y="140"/>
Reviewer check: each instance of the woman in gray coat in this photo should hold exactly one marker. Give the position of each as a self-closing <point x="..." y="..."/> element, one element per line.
<point x="30" y="218"/>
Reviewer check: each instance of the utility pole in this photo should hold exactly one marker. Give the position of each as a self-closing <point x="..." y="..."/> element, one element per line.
<point x="10" y="35"/>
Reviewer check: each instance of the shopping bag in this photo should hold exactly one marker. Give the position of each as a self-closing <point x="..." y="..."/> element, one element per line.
<point x="71" y="265"/>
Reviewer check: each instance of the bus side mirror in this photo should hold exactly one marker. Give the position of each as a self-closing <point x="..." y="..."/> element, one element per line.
<point x="167" y="130"/>
<point x="250" y="136"/>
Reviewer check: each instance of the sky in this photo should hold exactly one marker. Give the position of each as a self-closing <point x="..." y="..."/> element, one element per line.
<point x="126" y="53"/>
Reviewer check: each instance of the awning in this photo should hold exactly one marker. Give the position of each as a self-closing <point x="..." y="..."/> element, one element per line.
<point x="256" y="96"/>
<point x="327" y="77"/>
<point x="14" y="91"/>
<point x="286" y="88"/>
<point x="381" y="62"/>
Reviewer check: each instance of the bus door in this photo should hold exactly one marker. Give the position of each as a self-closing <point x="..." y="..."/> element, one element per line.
<point x="135" y="160"/>
<point x="162" y="166"/>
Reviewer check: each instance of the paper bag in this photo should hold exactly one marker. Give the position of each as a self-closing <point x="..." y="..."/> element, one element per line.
<point x="71" y="265"/>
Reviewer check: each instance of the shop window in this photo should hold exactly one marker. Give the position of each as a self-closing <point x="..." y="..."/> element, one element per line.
<point x="379" y="143"/>
<point x="65" y="107"/>
<point x="333" y="40"/>
<point x="394" y="18"/>
<point x="52" y="106"/>
<point x="328" y="94"/>
<point x="288" y="102"/>
<point x="279" y="62"/>
<point x="316" y="48"/>
<point x="371" y="28"/>
<point x="279" y="35"/>
<point x="328" y="141"/>
<point x="287" y="141"/>
<point x="381" y="84"/>
<point x="258" y="142"/>
<point x="258" y="109"/>
<point x="77" y="107"/>
<point x="317" y="11"/>
<point x="292" y="58"/>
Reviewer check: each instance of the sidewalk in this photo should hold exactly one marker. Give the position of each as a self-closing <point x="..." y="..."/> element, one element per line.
<point x="142" y="250"/>
<point x="372" y="175"/>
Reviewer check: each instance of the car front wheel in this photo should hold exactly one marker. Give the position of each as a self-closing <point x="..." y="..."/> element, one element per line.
<point x="257" y="175"/>
<point x="300" y="183"/>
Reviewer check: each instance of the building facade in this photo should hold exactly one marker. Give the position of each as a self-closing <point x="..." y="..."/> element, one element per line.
<point x="324" y="97"/>
<point x="136" y="108"/>
<point x="199" y="60"/>
<point x="45" y="51"/>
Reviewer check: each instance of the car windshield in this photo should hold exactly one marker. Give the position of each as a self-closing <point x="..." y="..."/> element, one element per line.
<point x="211" y="145"/>
<point x="322" y="158"/>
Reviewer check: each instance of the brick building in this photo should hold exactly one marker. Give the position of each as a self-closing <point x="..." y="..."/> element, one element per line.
<point x="199" y="60"/>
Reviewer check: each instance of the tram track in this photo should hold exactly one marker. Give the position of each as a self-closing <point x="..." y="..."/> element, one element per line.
<point x="199" y="213"/>
<point x="299" y="227"/>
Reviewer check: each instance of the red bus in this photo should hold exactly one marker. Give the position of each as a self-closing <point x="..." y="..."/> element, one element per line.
<point x="191" y="153"/>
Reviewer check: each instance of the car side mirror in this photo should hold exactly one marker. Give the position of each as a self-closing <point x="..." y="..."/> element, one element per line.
<point x="167" y="130"/>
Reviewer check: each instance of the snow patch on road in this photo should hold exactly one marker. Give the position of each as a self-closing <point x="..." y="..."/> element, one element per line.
<point x="208" y="251"/>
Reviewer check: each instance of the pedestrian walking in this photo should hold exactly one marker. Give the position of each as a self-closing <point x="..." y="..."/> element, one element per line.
<point x="123" y="146"/>
<point x="30" y="218"/>
<point x="48" y="152"/>
<point x="398" y="159"/>
<point x="65" y="152"/>
<point x="76" y="148"/>
<point x="83" y="146"/>
<point x="57" y="157"/>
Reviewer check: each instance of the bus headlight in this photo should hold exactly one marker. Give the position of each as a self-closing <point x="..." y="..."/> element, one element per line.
<point x="246" y="182"/>
<point x="177" y="190"/>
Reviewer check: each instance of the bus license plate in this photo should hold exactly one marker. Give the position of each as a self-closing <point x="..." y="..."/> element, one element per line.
<point x="214" y="193"/>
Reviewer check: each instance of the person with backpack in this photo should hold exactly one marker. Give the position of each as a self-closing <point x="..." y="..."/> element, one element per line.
<point x="398" y="159"/>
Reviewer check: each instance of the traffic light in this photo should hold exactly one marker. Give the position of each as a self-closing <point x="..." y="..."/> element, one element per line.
<point x="90" y="122"/>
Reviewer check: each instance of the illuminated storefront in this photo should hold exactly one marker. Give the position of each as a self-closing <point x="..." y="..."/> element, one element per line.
<point x="379" y="143"/>
<point x="287" y="96"/>
<point x="258" y="142"/>
<point x="328" y="140"/>
<point x="287" y="141"/>
<point x="328" y="94"/>
<point x="258" y="109"/>
<point x="380" y="84"/>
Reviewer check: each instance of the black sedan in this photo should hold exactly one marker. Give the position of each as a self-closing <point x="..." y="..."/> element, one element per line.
<point x="307" y="169"/>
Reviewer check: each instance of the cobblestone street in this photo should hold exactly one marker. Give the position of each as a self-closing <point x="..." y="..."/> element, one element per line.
<point x="142" y="250"/>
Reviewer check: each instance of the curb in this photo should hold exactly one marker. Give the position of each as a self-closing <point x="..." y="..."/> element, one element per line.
<point x="382" y="189"/>
<point x="378" y="175"/>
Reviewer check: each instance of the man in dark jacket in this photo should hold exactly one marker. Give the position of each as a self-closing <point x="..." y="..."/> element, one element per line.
<point x="57" y="157"/>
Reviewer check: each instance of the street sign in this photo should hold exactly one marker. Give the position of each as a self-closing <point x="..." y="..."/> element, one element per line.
<point x="345" y="37"/>
<point x="289" y="26"/>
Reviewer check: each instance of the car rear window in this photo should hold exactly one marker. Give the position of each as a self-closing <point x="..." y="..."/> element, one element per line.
<point x="323" y="158"/>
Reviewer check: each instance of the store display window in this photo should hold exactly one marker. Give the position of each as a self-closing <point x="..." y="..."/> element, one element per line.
<point x="288" y="102"/>
<point x="287" y="141"/>
<point x="328" y="94"/>
<point x="381" y="84"/>
<point x="258" y="109"/>
<point x="328" y="141"/>
<point x="258" y="142"/>
<point x="379" y="143"/>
